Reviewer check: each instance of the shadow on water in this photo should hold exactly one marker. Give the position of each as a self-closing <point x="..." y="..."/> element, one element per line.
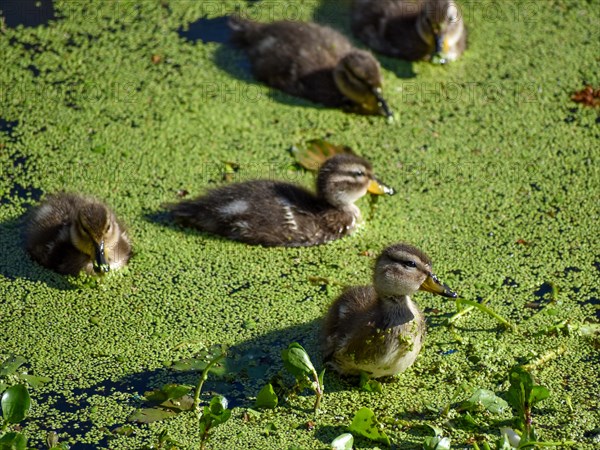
<point x="29" y="13"/>
<point x="15" y="263"/>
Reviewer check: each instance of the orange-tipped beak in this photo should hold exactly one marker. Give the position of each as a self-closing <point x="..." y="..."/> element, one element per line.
<point x="433" y="285"/>
<point x="378" y="188"/>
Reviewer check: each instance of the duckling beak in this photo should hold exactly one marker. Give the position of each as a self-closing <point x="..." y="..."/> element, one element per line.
<point x="435" y="286"/>
<point x="378" y="188"/>
<point x="438" y="57"/>
<point x="385" y="109"/>
<point x="100" y="264"/>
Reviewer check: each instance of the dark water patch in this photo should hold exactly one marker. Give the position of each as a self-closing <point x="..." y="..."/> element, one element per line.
<point x="510" y="282"/>
<point x="597" y="265"/>
<point x="7" y="126"/>
<point x="570" y="269"/>
<point x="27" y="194"/>
<point x="239" y="288"/>
<point x="207" y="30"/>
<point x="544" y="289"/>
<point x="595" y="302"/>
<point x="29" y="13"/>
<point x="34" y="70"/>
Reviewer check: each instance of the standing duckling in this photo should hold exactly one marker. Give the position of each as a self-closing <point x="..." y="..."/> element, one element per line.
<point x="378" y="329"/>
<point x="274" y="213"/>
<point x="69" y="233"/>
<point x="411" y="29"/>
<point x="312" y="61"/>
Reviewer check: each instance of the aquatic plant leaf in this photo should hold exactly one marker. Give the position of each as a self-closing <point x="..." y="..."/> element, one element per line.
<point x="538" y="393"/>
<point x="3" y="387"/>
<point x="365" y="424"/>
<point x="13" y="441"/>
<point x="167" y="392"/>
<point x="149" y="415"/>
<point x="266" y="398"/>
<point x="218" y="410"/>
<point x="436" y="443"/>
<point x="11" y="365"/>
<point x="297" y="361"/>
<point x="486" y="399"/>
<point x="185" y="403"/>
<point x="369" y="385"/>
<point x="316" y="152"/>
<point x="343" y="442"/>
<point x="15" y="403"/>
<point x="34" y="381"/>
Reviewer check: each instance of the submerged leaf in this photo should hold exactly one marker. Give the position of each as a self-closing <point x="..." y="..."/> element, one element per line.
<point x="343" y="442"/>
<point x="15" y="403"/>
<point x="365" y="424"/>
<point x="316" y="152"/>
<point x="149" y="415"/>
<point x="486" y="399"/>
<point x="11" y="365"/>
<point x="34" y="381"/>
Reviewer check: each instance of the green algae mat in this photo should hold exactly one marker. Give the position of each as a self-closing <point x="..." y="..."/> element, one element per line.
<point x="142" y="103"/>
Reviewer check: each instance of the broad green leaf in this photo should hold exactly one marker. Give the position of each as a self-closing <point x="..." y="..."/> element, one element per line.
<point x="167" y="392"/>
<point x="297" y="361"/>
<point x="149" y="415"/>
<point x="436" y="443"/>
<point x="15" y="403"/>
<point x="365" y="424"/>
<point x="343" y="442"/>
<point x="266" y="398"/>
<point x="217" y="410"/>
<point x="190" y="364"/>
<point x="3" y="387"/>
<point x="486" y="399"/>
<point x="13" y="441"/>
<point x="11" y="365"/>
<point x="437" y="431"/>
<point x="538" y="393"/>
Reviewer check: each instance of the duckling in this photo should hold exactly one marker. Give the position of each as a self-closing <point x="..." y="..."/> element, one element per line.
<point x="272" y="213"/>
<point x="378" y="329"/>
<point x="69" y="233"/>
<point x="411" y="29"/>
<point x="312" y="61"/>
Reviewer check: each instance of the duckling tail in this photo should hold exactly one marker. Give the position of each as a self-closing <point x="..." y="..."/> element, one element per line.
<point x="243" y="30"/>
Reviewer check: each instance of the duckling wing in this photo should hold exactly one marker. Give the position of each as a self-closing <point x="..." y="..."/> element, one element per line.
<point x="298" y="58"/>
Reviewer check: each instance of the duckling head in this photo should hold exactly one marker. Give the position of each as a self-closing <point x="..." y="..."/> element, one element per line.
<point x="345" y="178"/>
<point x="403" y="269"/>
<point x="440" y="25"/>
<point x="358" y="77"/>
<point x="95" y="233"/>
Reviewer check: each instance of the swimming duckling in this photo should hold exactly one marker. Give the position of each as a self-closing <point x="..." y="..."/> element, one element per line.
<point x="69" y="233"/>
<point x="312" y="61"/>
<point x="274" y="213"/>
<point x="378" y="329"/>
<point x="411" y="29"/>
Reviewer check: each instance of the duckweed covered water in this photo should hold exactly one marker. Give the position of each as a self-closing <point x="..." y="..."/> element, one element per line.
<point x="497" y="176"/>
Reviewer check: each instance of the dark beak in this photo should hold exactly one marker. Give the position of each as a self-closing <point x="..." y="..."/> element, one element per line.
<point x="387" y="112"/>
<point x="435" y="286"/>
<point x="100" y="264"/>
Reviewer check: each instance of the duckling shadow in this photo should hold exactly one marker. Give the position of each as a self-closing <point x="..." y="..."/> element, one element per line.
<point x="15" y="263"/>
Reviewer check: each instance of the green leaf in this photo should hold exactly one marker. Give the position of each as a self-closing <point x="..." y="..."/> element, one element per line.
<point x="297" y="361"/>
<point x="368" y="384"/>
<point x="167" y="392"/>
<point x="538" y="393"/>
<point x="266" y="398"/>
<point x="13" y="441"/>
<point x="343" y="442"/>
<point x="436" y="443"/>
<point x="365" y="424"/>
<point x="3" y="387"/>
<point x="15" y="403"/>
<point x="486" y="399"/>
<point x="149" y="415"/>
<point x="217" y="412"/>
<point x="11" y="365"/>
<point x="269" y="429"/>
<point x="34" y="381"/>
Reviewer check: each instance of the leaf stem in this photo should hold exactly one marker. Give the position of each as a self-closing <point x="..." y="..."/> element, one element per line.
<point x="488" y="311"/>
<point x="203" y="378"/>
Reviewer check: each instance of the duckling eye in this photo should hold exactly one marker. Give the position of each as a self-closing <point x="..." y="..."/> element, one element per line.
<point x="358" y="173"/>
<point x="409" y="263"/>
